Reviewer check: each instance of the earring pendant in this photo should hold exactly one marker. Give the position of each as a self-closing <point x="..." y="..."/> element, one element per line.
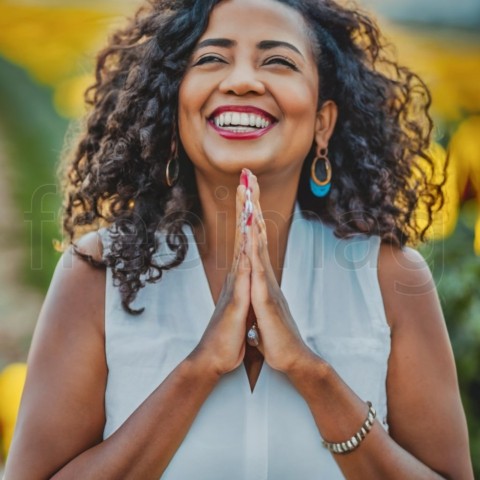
<point x="253" y="336"/>
<point x="321" y="174"/>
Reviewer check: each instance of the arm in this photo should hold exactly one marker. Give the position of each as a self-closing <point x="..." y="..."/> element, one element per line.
<point x="62" y="416"/>
<point x="427" y="425"/>
<point x="428" y="429"/>
<point x="61" y="419"/>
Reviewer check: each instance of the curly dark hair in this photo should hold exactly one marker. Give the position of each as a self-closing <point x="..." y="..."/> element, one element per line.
<point x="378" y="151"/>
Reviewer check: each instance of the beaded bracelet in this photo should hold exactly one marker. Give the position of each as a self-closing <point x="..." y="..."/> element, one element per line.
<point x="353" y="443"/>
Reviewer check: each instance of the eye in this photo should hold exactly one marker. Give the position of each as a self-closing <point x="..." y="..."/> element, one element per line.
<point x="279" y="60"/>
<point x="208" y="59"/>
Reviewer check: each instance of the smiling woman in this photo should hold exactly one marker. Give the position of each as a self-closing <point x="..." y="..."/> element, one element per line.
<point x="245" y="305"/>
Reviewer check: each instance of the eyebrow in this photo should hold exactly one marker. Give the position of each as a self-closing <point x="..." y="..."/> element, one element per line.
<point x="269" y="44"/>
<point x="263" y="45"/>
<point x="216" y="42"/>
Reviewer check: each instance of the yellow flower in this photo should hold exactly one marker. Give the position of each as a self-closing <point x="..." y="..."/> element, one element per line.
<point x="449" y="62"/>
<point x="56" y="45"/>
<point x="69" y="96"/>
<point x="444" y="220"/>
<point x="51" y="42"/>
<point x="12" y="380"/>
<point x="465" y="153"/>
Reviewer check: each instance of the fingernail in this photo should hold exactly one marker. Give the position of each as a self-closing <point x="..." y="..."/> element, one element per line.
<point x="244" y="178"/>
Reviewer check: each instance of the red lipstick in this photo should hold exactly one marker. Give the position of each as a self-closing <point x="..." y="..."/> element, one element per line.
<point x="232" y="135"/>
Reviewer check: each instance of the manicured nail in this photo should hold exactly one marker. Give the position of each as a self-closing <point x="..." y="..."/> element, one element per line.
<point x="244" y="178"/>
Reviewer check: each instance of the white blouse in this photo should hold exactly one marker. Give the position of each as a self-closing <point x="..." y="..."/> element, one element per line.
<point x="332" y="289"/>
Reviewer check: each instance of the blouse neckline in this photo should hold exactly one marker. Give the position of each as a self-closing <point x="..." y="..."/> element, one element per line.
<point x="207" y="306"/>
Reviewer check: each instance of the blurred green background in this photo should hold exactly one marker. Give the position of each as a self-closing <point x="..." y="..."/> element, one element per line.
<point x="47" y="51"/>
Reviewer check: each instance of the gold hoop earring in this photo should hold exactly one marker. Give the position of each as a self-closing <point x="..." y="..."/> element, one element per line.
<point x="172" y="176"/>
<point x="321" y="174"/>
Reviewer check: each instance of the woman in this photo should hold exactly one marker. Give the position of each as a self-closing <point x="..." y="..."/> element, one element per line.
<point x="299" y="148"/>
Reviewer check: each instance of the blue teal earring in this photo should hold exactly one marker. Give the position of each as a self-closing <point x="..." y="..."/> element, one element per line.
<point x="321" y="174"/>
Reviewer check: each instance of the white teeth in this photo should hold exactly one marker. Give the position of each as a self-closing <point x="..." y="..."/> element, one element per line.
<point x="244" y="120"/>
<point x="240" y="119"/>
<point x="241" y="129"/>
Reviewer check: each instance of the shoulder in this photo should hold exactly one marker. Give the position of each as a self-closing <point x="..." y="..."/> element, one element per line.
<point x="78" y="284"/>
<point x="82" y="260"/>
<point x="407" y="286"/>
<point x="74" y="305"/>
<point x="91" y="245"/>
<point x="403" y="269"/>
<point x="71" y="325"/>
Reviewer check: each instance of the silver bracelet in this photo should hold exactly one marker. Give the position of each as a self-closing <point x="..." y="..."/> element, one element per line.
<point x="354" y="442"/>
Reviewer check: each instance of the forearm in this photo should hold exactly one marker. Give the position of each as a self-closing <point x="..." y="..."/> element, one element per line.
<point x="339" y="414"/>
<point x="144" y="445"/>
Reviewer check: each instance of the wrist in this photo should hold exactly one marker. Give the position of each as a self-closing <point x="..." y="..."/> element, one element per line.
<point x="198" y="363"/>
<point x="306" y="366"/>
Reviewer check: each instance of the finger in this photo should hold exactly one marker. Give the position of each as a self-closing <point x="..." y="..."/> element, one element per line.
<point x="242" y="274"/>
<point x="259" y="263"/>
<point x="261" y="230"/>
<point x="263" y="274"/>
<point x="239" y="235"/>
<point x="256" y="237"/>
<point x="258" y="219"/>
<point x="258" y="240"/>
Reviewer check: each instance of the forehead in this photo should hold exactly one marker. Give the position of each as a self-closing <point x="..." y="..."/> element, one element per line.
<point x="258" y="19"/>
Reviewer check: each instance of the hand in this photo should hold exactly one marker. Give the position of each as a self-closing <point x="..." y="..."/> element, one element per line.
<point x="280" y="340"/>
<point x="222" y="346"/>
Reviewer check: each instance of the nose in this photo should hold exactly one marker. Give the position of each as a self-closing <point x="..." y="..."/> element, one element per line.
<point x="242" y="79"/>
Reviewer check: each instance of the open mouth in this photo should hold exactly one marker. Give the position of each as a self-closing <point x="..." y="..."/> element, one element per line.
<point x="241" y="121"/>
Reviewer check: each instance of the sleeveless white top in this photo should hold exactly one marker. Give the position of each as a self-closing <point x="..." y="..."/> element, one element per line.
<point x="332" y="289"/>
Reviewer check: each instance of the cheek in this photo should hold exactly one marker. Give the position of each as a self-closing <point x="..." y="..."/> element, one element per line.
<point x="185" y="100"/>
<point x="299" y="101"/>
<point x="299" y="104"/>
<point x="189" y="106"/>
<point x="193" y="93"/>
<point x="306" y="100"/>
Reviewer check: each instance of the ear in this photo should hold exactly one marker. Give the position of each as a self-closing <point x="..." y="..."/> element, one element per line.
<point x="325" y="123"/>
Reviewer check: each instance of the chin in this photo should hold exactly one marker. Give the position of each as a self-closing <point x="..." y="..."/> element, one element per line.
<point x="234" y="161"/>
<point x="235" y="165"/>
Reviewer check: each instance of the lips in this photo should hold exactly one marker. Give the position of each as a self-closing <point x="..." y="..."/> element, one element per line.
<point x="241" y="122"/>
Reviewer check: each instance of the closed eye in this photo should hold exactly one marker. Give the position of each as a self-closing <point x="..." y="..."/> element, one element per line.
<point x="209" y="59"/>
<point x="281" y="61"/>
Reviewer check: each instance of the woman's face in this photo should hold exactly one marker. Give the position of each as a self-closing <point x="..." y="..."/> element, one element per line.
<point x="249" y="97"/>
